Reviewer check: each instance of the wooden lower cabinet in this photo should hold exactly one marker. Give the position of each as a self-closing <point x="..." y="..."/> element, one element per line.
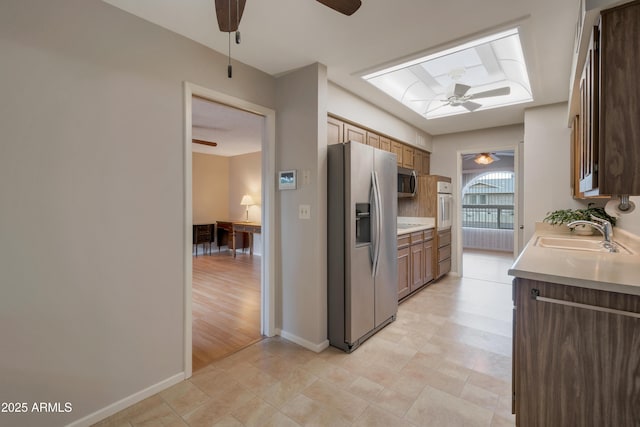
<point x="443" y="264"/>
<point x="575" y="365"/>
<point x="404" y="266"/>
<point x="415" y="261"/>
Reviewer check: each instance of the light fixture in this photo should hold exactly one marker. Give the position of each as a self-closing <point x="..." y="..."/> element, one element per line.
<point x="483" y="159"/>
<point x="247" y="201"/>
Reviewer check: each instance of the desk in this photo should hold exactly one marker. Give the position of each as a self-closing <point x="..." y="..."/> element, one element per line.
<point x="203" y="234"/>
<point x="234" y="227"/>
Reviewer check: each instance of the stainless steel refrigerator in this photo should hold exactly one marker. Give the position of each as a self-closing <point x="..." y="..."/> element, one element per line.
<point x="362" y="242"/>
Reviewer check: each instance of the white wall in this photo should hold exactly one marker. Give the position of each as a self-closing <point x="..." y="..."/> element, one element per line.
<point x="302" y="139"/>
<point x="92" y="219"/>
<point x="351" y="107"/>
<point x="444" y="161"/>
<point x="547" y="161"/>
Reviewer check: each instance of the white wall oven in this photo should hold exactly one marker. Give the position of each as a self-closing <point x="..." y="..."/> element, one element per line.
<point x="445" y="205"/>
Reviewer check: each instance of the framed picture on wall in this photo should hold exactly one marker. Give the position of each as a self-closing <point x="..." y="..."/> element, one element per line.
<point x="287" y="180"/>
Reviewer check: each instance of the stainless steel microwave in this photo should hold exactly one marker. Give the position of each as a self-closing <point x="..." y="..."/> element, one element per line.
<point x="407" y="182"/>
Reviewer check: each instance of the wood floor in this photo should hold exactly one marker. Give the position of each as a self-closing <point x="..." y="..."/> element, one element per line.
<point x="225" y="305"/>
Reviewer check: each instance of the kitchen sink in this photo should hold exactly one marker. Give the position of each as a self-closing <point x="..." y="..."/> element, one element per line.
<point x="590" y="245"/>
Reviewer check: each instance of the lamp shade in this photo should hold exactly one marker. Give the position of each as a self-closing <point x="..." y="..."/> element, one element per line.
<point x="484" y="159"/>
<point x="246" y="200"/>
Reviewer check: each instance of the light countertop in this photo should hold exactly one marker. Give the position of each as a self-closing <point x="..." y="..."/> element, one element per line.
<point x="615" y="272"/>
<point x="411" y="224"/>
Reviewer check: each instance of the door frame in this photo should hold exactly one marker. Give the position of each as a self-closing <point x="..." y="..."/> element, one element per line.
<point x="267" y="273"/>
<point x="515" y="147"/>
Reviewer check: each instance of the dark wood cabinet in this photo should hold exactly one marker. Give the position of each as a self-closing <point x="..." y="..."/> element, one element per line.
<point x="610" y="105"/>
<point x="427" y="252"/>
<point x="576" y="358"/>
<point x="417" y="260"/>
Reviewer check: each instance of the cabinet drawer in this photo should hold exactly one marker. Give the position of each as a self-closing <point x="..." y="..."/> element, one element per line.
<point x="444" y="267"/>
<point x="444" y="252"/>
<point x="404" y="240"/>
<point x="417" y="237"/>
<point x="428" y="234"/>
<point x="444" y="238"/>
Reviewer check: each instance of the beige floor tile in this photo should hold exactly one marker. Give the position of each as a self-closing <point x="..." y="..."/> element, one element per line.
<point x="437" y="408"/>
<point x="161" y="415"/>
<point x="394" y="401"/>
<point x="506" y="421"/>
<point x="365" y="388"/>
<point x="490" y="383"/>
<point x="228" y="421"/>
<point x="376" y="417"/>
<point x="122" y="418"/>
<point x="329" y="395"/>
<point x="480" y="396"/>
<point x="308" y="412"/>
<point x="184" y="397"/>
<point x="254" y="413"/>
<point x="286" y="389"/>
<point x="251" y="377"/>
<point x="330" y="372"/>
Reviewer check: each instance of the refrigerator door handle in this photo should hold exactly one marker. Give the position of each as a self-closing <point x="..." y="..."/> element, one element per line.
<point x="373" y="214"/>
<point x="378" y="226"/>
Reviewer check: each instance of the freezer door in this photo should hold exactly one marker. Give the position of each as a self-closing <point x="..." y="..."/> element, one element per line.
<point x="386" y="279"/>
<point x="359" y="286"/>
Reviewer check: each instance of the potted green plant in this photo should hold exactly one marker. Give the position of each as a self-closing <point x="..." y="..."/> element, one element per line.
<point x="565" y="216"/>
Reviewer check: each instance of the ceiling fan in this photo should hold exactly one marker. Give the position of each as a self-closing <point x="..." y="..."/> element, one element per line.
<point x="229" y="13"/>
<point x="459" y="97"/>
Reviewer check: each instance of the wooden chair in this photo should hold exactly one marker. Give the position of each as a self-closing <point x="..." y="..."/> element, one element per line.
<point x="203" y="234"/>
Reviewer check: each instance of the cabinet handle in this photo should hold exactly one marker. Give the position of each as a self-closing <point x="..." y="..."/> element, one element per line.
<point x="535" y="294"/>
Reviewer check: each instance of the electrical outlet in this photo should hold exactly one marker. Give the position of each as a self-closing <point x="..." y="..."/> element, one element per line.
<point x="304" y="211"/>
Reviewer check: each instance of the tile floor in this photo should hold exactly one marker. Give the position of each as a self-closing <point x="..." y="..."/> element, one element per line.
<point x="445" y="361"/>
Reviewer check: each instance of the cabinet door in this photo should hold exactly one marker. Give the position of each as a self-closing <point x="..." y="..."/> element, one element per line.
<point x="426" y="163"/>
<point x="417" y="266"/>
<point x="385" y="143"/>
<point x="407" y="157"/>
<point x="417" y="162"/>
<point x="397" y="148"/>
<point x="589" y="137"/>
<point x="335" y="130"/>
<point x="427" y="247"/>
<point x="576" y="365"/>
<point x="575" y="155"/>
<point x="373" y="139"/>
<point x="404" y="272"/>
<point x="354" y="133"/>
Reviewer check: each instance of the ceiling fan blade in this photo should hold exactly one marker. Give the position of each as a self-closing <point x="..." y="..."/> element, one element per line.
<point x="229" y="13"/>
<point x="346" y="7"/>
<point x="489" y="93"/>
<point x="459" y="90"/>
<point x="471" y="106"/>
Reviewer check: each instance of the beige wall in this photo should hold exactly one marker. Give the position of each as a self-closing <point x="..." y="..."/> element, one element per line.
<point x="92" y="221"/>
<point x="245" y="177"/>
<point x="210" y="188"/>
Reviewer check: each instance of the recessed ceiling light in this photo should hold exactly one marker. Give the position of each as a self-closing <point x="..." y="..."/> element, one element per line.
<point x="485" y="73"/>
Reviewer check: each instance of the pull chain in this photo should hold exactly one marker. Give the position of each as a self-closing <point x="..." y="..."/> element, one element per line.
<point x="229" y="67"/>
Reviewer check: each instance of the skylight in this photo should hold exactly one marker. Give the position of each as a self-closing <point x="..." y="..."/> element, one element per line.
<point x="479" y="75"/>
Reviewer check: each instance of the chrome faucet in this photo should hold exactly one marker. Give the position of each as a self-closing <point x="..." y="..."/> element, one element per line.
<point x="603" y="226"/>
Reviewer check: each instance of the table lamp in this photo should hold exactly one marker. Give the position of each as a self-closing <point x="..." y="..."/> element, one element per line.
<point x="247" y="201"/>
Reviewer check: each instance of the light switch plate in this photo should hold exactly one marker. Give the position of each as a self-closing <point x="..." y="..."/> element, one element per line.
<point x="304" y="211"/>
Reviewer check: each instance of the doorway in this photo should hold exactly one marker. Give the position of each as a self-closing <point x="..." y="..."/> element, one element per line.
<point x="260" y="264"/>
<point x="488" y="214"/>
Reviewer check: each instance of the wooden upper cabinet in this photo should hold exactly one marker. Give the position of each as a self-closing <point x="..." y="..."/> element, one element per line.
<point x="426" y="163"/>
<point x="619" y="100"/>
<point x="407" y="157"/>
<point x="397" y="148"/>
<point x="385" y="143"/>
<point x="417" y="162"/>
<point x="609" y="126"/>
<point x="373" y="139"/>
<point x="354" y="133"/>
<point x="335" y="130"/>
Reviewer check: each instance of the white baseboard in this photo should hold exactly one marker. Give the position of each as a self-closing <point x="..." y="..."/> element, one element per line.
<point x="127" y="401"/>
<point x="317" y="348"/>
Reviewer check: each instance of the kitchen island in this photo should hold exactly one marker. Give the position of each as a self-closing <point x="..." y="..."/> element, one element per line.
<point x="576" y="337"/>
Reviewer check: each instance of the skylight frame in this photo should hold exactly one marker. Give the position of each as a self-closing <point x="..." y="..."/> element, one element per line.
<point x="515" y="76"/>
